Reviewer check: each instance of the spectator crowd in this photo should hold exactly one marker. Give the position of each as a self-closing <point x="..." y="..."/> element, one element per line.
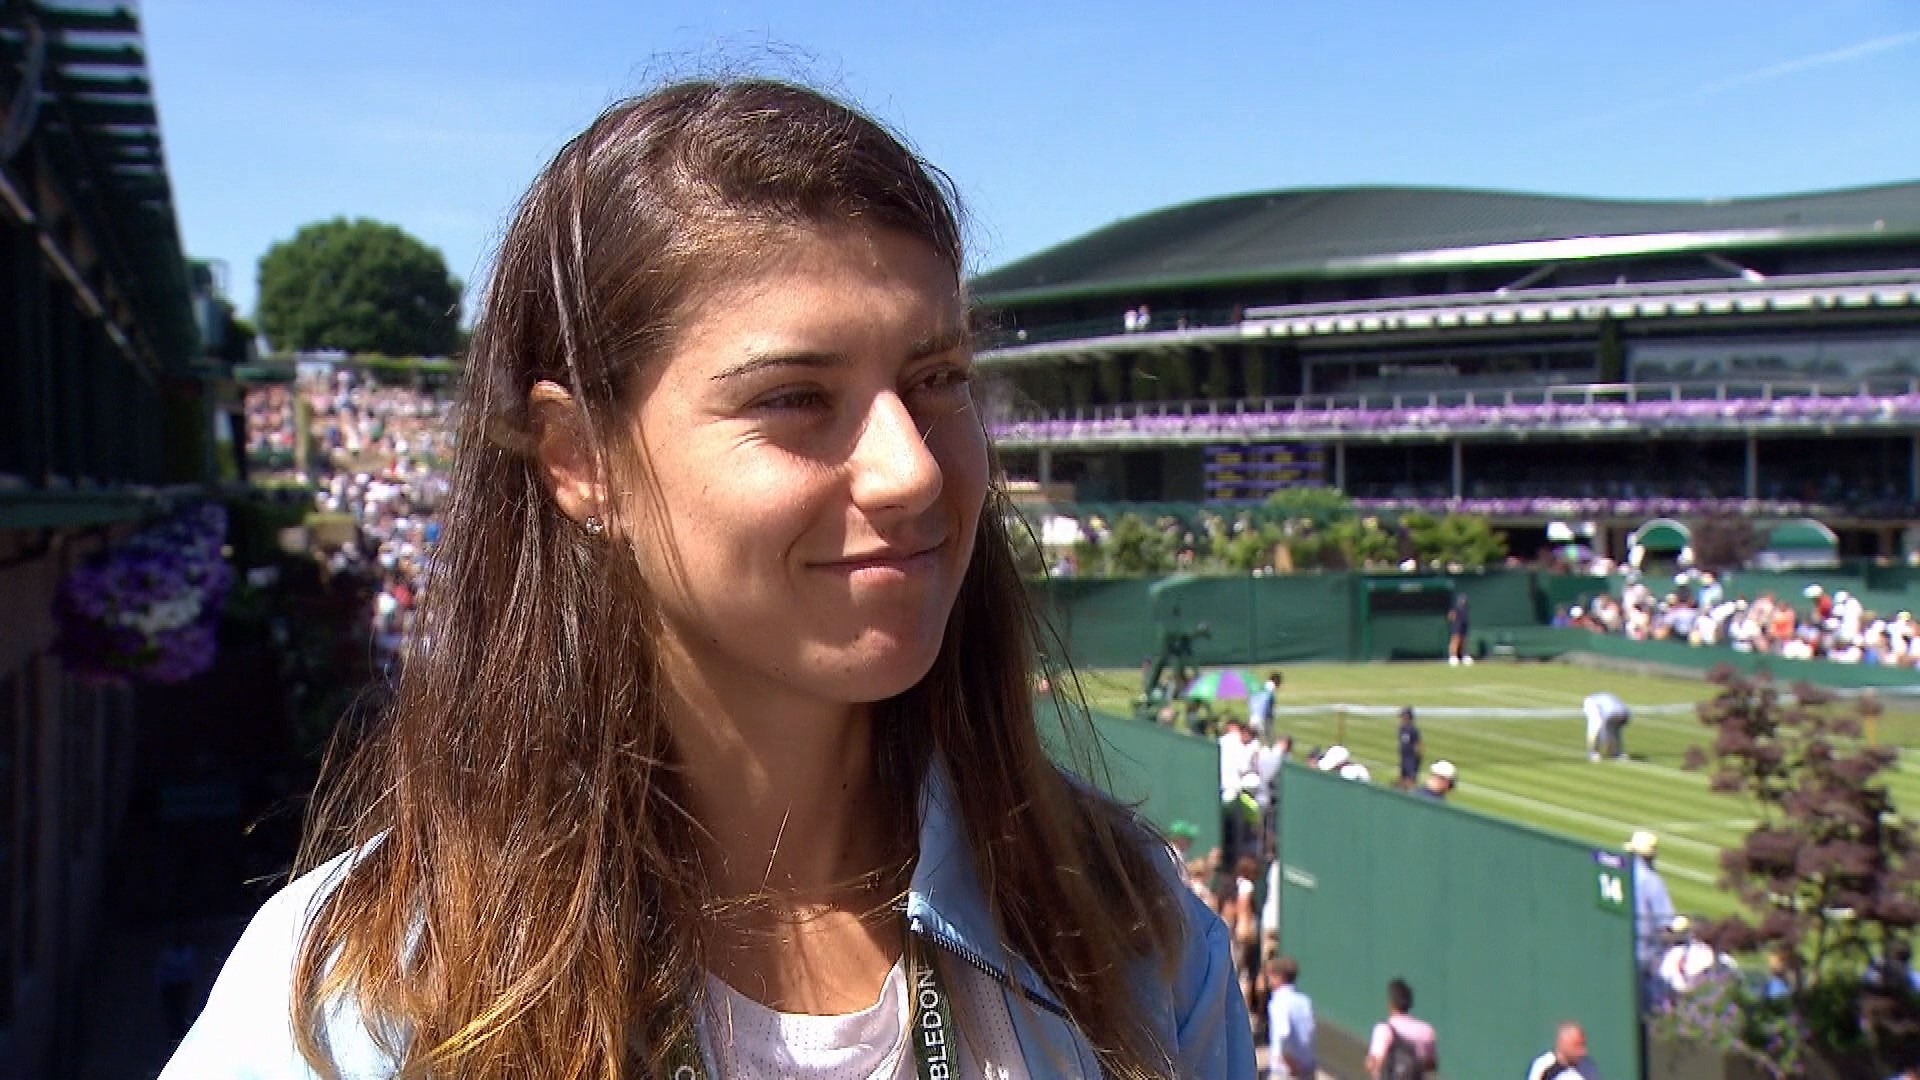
<point x="1240" y="881"/>
<point x="1699" y="610"/>
<point x="376" y="462"/>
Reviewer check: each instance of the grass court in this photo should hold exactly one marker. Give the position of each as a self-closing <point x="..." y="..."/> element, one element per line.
<point x="1516" y="733"/>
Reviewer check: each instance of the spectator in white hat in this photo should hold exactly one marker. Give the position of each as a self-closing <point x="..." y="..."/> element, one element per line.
<point x="1652" y="907"/>
<point x="1440" y="780"/>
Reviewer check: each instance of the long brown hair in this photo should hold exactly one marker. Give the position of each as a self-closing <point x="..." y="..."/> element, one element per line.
<point x="528" y="898"/>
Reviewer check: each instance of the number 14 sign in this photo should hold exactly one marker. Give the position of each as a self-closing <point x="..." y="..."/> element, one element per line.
<point x="1610" y="872"/>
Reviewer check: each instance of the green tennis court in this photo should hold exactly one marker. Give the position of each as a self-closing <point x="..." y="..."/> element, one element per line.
<point x="1516" y="734"/>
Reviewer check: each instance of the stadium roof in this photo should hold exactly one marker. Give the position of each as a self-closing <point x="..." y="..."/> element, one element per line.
<point x="83" y="84"/>
<point x="1337" y="232"/>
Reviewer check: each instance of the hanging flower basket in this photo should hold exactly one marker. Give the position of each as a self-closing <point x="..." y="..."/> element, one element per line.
<point x="148" y="609"/>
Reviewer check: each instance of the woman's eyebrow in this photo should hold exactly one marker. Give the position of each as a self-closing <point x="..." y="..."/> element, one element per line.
<point x="774" y="359"/>
<point x="935" y="344"/>
<point x="757" y="362"/>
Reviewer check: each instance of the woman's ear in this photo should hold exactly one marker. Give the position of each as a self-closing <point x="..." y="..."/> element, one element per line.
<point x="565" y="454"/>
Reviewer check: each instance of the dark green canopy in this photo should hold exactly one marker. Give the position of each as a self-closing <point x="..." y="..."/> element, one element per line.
<point x="1661" y="534"/>
<point x="1801" y="534"/>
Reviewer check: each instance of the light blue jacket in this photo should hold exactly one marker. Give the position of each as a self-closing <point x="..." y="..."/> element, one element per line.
<point x="245" y="1033"/>
<point x="1653" y="913"/>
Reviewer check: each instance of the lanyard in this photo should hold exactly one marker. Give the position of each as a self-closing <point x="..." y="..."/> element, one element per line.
<point x="930" y="1029"/>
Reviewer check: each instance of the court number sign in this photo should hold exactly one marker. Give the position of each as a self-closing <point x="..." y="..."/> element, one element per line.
<point x="1610" y="878"/>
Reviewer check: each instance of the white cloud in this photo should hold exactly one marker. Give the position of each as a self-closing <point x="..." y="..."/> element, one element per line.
<point x="1830" y="58"/>
<point x="1807" y="63"/>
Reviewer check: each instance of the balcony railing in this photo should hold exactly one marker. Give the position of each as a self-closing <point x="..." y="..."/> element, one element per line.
<point x="1880" y="403"/>
<point x="995" y="338"/>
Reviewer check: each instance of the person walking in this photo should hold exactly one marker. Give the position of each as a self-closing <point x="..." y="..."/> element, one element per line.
<point x="1410" y="750"/>
<point x="1567" y="1060"/>
<point x="1260" y="705"/>
<point x="1290" y="1052"/>
<point x="1459" y="625"/>
<point x="1240" y="912"/>
<point x="1268" y="761"/>
<point x="1240" y="785"/>
<point x="1403" y="1046"/>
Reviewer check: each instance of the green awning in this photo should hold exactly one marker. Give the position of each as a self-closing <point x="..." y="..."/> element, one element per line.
<point x="1661" y="534"/>
<point x="1801" y="534"/>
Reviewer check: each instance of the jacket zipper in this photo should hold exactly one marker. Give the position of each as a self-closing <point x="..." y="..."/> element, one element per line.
<point x="978" y="962"/>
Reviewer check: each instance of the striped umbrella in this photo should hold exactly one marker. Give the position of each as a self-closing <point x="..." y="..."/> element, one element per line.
<point x="1223" y="684"/>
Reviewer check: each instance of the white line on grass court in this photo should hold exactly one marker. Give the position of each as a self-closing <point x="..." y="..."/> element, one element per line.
<point x="1465" y="712"/>
<point x="1699" y="779"/>
<point x="1900" y="764"/>
<point x="1622" y="827"/>
<point x="1688" y="826"/>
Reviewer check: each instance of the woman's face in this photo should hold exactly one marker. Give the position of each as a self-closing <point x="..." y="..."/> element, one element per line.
<point x="812" y="469"/>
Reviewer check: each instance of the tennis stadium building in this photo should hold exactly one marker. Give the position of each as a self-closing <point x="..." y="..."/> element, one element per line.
<point x="1532" y="358"/>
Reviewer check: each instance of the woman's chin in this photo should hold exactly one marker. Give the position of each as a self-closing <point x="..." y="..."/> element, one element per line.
<point x="878" y="669"/>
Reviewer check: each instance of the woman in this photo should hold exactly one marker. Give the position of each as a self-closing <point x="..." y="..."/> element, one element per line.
<point x="1240" y="911"/>
<point x="720" y="758"/>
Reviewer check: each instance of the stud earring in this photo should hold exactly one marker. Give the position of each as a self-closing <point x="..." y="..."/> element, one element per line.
<point x="595" y="526"/>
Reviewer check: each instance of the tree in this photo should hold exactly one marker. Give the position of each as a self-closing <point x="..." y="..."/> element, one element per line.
<point x="1363" y="544"/>
<point x="1828" y="875"/>
<point x="1133" y="549"/>
<point x="1252" y="548"/>
<point x="1466" y="541"/>
<point x="360" y="287"/>
<point x="1316" y="506"/>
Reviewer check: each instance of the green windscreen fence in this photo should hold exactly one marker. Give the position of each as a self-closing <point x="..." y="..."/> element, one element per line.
<point x="1164" y="774"/>
<point x="1119" y="623"/>
<point x="1404" y="618"/>
<point x="1502" y="931"/>
<point x="1297" y="618"/>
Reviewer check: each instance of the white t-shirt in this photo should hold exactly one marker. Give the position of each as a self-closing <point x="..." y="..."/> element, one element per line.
<point x="1605" y="706"/>
<point x="1546" y="1063"/>
<point x="1236" y="761"/>
<point x="1266" y="762"/>
<point x="1683" y="965"/>
<point x="750" y="1040"/>
<point x="1270" y="911"/>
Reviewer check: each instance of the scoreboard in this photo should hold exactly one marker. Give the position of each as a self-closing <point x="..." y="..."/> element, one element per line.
<point x="1249" y="472"/>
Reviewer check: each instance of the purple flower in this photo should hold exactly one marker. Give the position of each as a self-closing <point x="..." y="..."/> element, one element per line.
<point x="149" y="607"/>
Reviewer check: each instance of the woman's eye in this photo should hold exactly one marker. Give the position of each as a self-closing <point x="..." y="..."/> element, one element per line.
<point x="793" y="400"/>
<point x="945" y="379"/>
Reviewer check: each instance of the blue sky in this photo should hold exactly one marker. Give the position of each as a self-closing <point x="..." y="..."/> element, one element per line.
<point x="1053" y="118"/>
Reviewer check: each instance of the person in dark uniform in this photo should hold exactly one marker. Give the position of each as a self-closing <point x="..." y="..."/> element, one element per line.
<point x="1457" y="632"/>
<point x="1410" y="750"/>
